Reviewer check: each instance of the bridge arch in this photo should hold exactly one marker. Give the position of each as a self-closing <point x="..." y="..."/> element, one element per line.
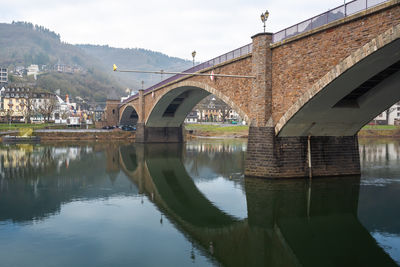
<point x="171" y="108"/>
<point x="128" y="115"/>
<point x="345" y="99"/>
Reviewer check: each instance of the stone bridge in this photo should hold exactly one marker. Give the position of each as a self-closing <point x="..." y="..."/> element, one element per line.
<point x="310" y="91"/>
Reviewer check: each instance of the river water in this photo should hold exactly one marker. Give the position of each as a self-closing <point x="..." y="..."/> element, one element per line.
<point x="110" y="204"/>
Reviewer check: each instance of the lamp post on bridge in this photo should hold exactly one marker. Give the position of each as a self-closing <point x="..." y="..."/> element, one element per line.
<point x="193" y="55"/>
<point x="264" y="17"/>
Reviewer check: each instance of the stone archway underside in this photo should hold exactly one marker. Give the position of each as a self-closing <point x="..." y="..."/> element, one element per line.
<point x="351" y="94"/>
<point x="171" y="109"/>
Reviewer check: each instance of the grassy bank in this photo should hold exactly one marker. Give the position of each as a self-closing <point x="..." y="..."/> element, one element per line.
<point x="16" y="126"/>
<point x="35" y="126"/>
<point x="226" y="130"/>
<point x="368" y="131"/>
<point x="380" y="131"/>
<point x="240" y="131"/>
<point x="69" y="136"/>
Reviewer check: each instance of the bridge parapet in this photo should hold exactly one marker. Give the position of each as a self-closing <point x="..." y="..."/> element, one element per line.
<point x="316" y="22"/>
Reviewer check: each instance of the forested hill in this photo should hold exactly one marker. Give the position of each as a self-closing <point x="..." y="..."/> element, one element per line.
<point x="23" y="44"/>
<point x="137" y="59"/>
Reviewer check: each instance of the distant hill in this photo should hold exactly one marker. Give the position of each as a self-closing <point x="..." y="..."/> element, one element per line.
<point x="23" y="44"/>
<point x="137" y="59"/>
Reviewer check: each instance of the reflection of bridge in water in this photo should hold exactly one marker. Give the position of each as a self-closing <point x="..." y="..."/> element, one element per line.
<point x="289" y="222"/>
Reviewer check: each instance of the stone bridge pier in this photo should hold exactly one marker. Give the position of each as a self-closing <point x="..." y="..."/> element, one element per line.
<point x="270" y="155"/>
<point x="146" y="134"/>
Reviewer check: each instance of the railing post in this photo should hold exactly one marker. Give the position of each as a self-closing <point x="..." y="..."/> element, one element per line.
<point x="345" y="10"/>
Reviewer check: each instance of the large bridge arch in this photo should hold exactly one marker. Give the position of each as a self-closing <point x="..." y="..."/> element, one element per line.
<point x="171" y="108"/>
<point x="354" y="92"/>
<point x="128" y="115"/>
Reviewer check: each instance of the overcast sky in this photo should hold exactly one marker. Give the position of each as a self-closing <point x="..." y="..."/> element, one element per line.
<point x="174" y="27"/>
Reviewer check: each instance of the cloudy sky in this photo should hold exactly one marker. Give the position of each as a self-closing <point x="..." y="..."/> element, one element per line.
<point x="174" y="27"/>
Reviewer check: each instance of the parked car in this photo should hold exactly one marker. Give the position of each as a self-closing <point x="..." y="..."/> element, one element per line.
<point x="108" y="127"/>
<point x="128" y="128"/>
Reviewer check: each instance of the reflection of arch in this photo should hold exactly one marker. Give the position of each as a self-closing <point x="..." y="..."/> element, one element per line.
<point x="162" y="173"/>
<point x="345" y="99"/>
<point x="181" y="196"/>
<point x="128" y="116"/>
<point x="128" y="158"/>
<point x="171" y="108"/>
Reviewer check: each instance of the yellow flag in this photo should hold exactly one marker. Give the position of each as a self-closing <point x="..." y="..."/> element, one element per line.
<point x="114" y="67"/>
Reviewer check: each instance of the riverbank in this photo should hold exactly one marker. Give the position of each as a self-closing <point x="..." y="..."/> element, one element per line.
<point x="79" y="134"/>
<point x="380" y="131"/>
<point x="192" y="130"/>
<point x="217" y="130"/>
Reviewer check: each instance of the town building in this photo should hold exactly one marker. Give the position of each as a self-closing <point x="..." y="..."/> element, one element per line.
<point x="391" y="116"/>
<point x="213" y="109"/>
<point x="20" y="104"/>
<point x="192" y="117"/>
<point x="33" y="70"/>
<point x="98" y="113"/>
<point x="3" y="76"/>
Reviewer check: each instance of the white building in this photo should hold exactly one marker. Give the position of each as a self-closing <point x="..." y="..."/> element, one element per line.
<point x="191" y="117"/>
<point x="393" y="115"/>
<point x="33" y="70"/>
<point x="62" y="111"/>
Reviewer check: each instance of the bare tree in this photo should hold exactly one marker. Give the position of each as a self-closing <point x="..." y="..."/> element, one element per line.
<point x="47" y="107"/>
<point x="3" y="114"/>
<point x="27" y="108"/>
<point x="9" y="113"/>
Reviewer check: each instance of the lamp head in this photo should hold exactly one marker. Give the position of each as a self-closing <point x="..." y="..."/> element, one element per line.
<point x="193" y="54"/>
<point x="264" y="16"/>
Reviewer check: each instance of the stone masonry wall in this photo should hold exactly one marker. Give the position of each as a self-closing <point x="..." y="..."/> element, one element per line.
<point x="159" y="134"/>
<point x="261" y="91"/>
<point x="297" y="65"/>
<point x="111" y="113"/>
<point x="286" y="157"/>
<point x="234" y="91"/>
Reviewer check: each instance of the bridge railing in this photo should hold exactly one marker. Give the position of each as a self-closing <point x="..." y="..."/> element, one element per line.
<point x="241" y="51"/>
<point x="337" y="13"/>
